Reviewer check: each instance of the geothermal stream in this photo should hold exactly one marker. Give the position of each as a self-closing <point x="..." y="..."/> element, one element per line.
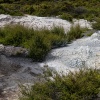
<point x="84" y="52"/>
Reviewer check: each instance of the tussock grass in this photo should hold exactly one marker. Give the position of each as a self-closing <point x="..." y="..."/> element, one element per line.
<point x="97" y="24"/>
<point x="39" y="42"/>
<point x="82" y="85"/>
<point x="66" y="16"/>
<point x="75" y="33"/>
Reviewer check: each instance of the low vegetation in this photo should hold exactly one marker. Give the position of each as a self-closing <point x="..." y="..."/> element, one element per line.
<point x="66" y="16"/>
<point x="75" y="33"/>
<point x="82" y="85"/>
<point x="96" y="25"/>
<point x="39" y="42"/>
<point x="68" y="9"/>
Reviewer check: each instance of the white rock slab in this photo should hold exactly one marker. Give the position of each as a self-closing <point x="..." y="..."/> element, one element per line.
<point x="41" y="22"/>
<point x="81" y="53"/>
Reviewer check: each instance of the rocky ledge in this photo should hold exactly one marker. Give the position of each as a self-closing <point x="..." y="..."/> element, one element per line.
<point x="41" y="22"/>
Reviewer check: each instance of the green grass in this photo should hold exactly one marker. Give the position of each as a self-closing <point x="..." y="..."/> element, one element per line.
<point x="96" y="25"/>
<point x="68" y="9"/>
<point x="90" y="34"/>
<point x="82" y="85"/>
<point x="39" y="42"/>
<point x="75" y="33"/>
<point x="66" y="16"/>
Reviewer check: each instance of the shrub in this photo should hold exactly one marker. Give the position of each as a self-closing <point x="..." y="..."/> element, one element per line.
<point x="43" y="40"/>
<point x="80" y="10"/>
<point x="1" y="34"/>
<point x="16" y="34"/>
<point x="89" y="34"/>
<point x="58" y="30"/>
<point x="82" y="85"/>
<point x="75" y="33"/>
<point x="66" y="16"/>
<point x="27" y="9"/>
<point x="97" y="24"/>
<point x="39" y="42"/>
<point x="39" y="47"/>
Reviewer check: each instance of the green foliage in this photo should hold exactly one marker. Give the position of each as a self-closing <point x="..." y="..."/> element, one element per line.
<point x="82" y="85"/>
<point x="90" y="34"/>
<point x="57" y="30"/>
<point x="68" y="9"/>
<point x="27" y="9"/>
<point x="39" y="47"/>
<point x="44" y="40"/>
<point x="75" y="33"/>
<point x="66" y="17"/>
<point x="16" y="34"/>
<point x="39" y="42"/>
<point x="97" y="24"/>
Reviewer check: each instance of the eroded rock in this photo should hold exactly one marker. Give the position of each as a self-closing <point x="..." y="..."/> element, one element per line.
<point x="81" y="53"/>
<point x="13" y="51"/>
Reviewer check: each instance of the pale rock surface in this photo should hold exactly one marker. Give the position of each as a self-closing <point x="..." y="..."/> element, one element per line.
<point x="81" y="53"/>
<point x="15" y="71"/>
<point x="41" y="22"/>
<point x="13" y="51"/>
<point x="1" y="47"/>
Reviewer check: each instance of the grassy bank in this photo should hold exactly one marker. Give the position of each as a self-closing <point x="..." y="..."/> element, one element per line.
<point x="68" y="9"/>
<point x="82" y="85"/>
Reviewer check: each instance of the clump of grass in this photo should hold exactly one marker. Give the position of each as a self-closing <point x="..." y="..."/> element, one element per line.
<point x="39" y="42"/>
<point x="90" y="34"/>
<point x="16" y="34"/>
<point x="75" y="33"/>
<point x="97" y="24"/>
<point x="57" y="30"/>
<point x="82" y="85"/>
<point x="40" y="45"/>
<point x="66" y="16"/>
<point x="44" y="40"/>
